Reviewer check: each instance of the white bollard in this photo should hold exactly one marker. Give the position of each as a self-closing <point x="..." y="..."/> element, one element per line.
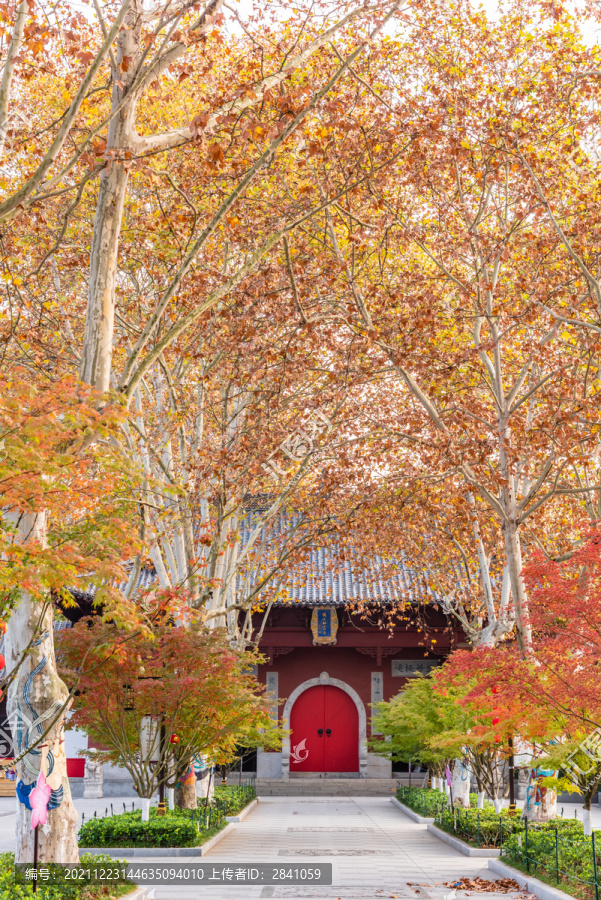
<point x="586" y="822"/>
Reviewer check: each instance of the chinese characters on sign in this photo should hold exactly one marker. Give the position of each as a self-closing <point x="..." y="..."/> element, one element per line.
<point x="324" y="625"/>
<point x="271" y="694"/>
<point x="406" y="668"/>
<point x="298" y="445"/>
<point x="377" y="694"/>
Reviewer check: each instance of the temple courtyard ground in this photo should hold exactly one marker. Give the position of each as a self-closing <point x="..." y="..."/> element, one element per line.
<point x="375" y="850"/>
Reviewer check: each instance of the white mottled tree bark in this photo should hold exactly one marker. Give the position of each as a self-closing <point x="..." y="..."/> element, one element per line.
<point x="100" y="316"/>
<point x="35" y="699"/>
<point x="8" y="70"/>
<point x="460" y="784"/>
<point x="540" y="804"/>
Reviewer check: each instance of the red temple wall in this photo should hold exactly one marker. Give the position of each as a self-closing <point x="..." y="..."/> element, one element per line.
<point x="348" y="665"/>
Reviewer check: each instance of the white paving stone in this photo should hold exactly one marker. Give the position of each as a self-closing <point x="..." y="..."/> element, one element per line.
<point x="375" y="851"/>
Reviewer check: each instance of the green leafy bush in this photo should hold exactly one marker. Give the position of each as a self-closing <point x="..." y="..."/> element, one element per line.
<point x="9" y="890"/>
<point x="179" y="828"/>
<point x="487" y="828"/>
<point x="424" y="801"/>
<point x="480" y="827"/>
<point x="557" y="852"/>
<point x="232" y="799"/>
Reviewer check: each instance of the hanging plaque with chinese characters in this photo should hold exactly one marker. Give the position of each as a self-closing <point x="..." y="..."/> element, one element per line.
<point x="324" y="625"/>
<point x="408" y="668"/>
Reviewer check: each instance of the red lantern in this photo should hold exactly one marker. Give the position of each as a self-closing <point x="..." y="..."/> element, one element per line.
<point x="495" y="690"/>
<point x="2" y="662"/>
<point x="496" y="720"/>
<point x="174" y="739"/>
<point x="497" y="739"/>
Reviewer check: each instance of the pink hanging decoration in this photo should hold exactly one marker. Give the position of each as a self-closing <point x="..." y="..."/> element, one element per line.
<point x="38" y="800"/>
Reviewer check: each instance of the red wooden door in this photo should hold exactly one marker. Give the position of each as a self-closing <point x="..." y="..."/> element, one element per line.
<point x="342" y="731"/>
<point x="325" y="731"/>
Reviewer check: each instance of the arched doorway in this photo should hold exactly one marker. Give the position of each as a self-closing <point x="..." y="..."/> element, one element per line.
<point x="325" y="731"/>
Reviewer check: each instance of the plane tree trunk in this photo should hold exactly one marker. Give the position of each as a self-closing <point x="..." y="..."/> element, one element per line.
<point x="34" y="702"/>
<point x="185" y="792"/>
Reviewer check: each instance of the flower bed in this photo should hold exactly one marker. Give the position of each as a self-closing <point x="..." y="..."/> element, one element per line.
<point x="178" y="828"/>
<point x="11" y="890"/>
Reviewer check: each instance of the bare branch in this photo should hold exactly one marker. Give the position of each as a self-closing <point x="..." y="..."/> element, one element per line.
<point x="10" y="205"/>
<point x="9" y="67"/>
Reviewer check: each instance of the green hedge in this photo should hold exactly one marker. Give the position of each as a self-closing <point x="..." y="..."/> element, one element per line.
<point x="424" y="801"/>
<point x="479" y="827"/>
<point x="559" y="853"/>
<point x="9" y="890"/>
<point x="487" y="828"/>
<point x="232" y="799"/>
<point x="179" y="828"/>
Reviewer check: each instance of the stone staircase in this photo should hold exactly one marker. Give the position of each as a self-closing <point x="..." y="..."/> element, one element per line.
<point x="332" y="787"/>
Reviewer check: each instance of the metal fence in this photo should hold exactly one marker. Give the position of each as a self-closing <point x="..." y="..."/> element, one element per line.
<point x="477" y="827"/>
<point x="107" y="813"/>
<point x="557" y="853"/>
<point x="424" y="801"/>
<point x="209" y="814"/>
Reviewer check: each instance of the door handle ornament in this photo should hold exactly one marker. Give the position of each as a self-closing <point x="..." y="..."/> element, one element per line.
<point x="328" y="731"/>
<point x="320" y="731"/>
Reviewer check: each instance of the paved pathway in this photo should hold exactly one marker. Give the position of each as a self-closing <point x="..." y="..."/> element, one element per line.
<point x="376" y="852"/>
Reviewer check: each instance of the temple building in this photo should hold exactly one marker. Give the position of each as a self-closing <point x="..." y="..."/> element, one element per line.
<point x="331" y="655"/>
<point x="337" y="638"/>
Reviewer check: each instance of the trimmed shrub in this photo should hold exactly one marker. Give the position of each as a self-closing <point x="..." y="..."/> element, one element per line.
<point x="231" y="799"/>
<point x="179" y="828"/>
<point x="424" y="801"/>
<point x="10" y="890"/>
<point x="559" y="853"/>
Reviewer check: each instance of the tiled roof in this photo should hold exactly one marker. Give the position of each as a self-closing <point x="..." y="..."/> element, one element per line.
<point x="337" y="584"/>
<point x="322" y="579"/>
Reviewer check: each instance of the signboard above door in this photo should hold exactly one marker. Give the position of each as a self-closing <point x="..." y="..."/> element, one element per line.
<point x="407" y="668"/>
<point x="324" y="625"/>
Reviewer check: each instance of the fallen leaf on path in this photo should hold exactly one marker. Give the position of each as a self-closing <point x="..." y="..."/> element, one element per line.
<point x="482" y="885"/>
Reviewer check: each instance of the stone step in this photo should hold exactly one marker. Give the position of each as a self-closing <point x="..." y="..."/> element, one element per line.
<point x="326" y="787"/>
